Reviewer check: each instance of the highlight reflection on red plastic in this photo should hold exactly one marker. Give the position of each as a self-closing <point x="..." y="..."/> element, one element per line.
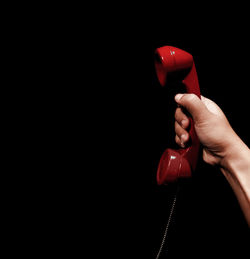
<point x="179" y="163"/>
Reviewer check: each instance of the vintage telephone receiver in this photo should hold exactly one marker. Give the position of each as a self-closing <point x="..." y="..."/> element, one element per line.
<point x="175" y="164"/>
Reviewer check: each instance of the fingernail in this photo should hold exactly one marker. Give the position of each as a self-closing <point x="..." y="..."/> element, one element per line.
<point x="178" y="97"/>
<point x="182" y="123"/>
<point x="183" y="138"/>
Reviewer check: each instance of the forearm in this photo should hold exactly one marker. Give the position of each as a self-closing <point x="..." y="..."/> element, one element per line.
<point x="236" y="168"/>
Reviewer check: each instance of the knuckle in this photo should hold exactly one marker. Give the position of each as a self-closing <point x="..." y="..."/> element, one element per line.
<point x="178" y="129"/>
<point x="178" y="114"/>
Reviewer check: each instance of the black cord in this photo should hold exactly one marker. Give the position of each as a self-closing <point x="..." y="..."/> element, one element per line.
<point x="165" y="235"/>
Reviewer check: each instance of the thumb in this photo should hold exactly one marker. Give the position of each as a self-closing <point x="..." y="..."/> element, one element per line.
<point x="193" y="104"/>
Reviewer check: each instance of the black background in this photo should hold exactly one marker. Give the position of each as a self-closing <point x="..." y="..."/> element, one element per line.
<point x="208" y="219"/>
<point x="126" y="119"/>
<point x="133" y="127"/>
<point x="100" y="122"/>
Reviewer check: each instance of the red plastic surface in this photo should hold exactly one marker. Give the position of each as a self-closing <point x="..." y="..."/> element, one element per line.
<point x="175" y="164"/>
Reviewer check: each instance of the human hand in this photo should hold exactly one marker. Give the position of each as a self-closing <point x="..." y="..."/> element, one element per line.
<point x="211" y="125"/>
<point x="221" y="145"/>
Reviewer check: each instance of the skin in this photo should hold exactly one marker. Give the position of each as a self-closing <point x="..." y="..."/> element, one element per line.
<point x="222" y="147"/>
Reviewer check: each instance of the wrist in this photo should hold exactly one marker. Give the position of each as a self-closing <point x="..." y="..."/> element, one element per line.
<point x="236" y="169"/>
<point x="236" y="165"/>
<point x="235" y="153"/>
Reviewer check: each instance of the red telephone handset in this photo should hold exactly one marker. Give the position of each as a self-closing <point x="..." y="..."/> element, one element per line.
<point x="179" y="163"/>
